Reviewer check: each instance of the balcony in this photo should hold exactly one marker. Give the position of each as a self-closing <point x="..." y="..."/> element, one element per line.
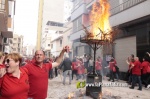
<point x="89" y="4"/>
<point x="79" y="11"/>
<point x="2" y="6"/>
<point x="129" y="11"/>
<point x="7" y="34"/>
<point x="124" y="6"/>
<point x="76" y="6"/>
<point x="3" y="15"/>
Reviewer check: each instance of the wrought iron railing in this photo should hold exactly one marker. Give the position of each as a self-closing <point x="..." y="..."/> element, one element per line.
<point x="126" y="5"/>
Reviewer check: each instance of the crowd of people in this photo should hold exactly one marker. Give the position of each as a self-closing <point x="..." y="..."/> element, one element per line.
<point x="28" y="79"/>
<point x="139" y="72"/>
<point x="25" y="82"/>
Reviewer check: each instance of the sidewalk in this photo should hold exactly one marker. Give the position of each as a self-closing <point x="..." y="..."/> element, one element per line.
<point x="57" y="90"/>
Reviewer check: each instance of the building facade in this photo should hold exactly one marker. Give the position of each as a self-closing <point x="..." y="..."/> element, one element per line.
<point x="79" y="17"/>
<point x="17" y="44"/>
<point x="128" y="15"/>
<point x="7" y="12"/>
<point x="53" y="24"/>
<point x="62" y="40"/>
<point x="68" y="5"/>
<point x="52" y="31"/>
<point x="50" y="16"/>
<point x="132" y="17"/>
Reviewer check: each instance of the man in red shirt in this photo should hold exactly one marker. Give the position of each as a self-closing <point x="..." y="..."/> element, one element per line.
<point x="38" y="74"/>
<point x="136" y="73"/>
<point x="144" y="66"/>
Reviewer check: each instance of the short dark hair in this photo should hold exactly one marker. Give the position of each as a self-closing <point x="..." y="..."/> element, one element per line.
<point x="132" y="55"/>
<point x="40" y="50"/>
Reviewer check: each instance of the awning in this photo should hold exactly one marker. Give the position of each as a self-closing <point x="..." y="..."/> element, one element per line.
<point x="7" y="34"/>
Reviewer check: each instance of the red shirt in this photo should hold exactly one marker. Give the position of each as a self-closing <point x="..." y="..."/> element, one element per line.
<point x="136" y="70"/>
<point x="144" y="66"/>
<point x="98" y="65"/>
<point x="111" y="64"/>
<point x="13" y="88"/>
<point x="38" y="80"/>
<point x="2" y="66"/>
<point x="74" y="66"/>
<point x="80" y="68"/>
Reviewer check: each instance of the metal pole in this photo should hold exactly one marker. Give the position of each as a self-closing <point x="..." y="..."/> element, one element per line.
<point x="94" y="58"/>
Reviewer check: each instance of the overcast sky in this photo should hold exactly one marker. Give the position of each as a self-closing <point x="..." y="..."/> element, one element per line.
<point x="26" y="19"/>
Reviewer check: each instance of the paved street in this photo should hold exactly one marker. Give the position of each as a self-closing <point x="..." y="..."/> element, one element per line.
<point x="58" y="91"/>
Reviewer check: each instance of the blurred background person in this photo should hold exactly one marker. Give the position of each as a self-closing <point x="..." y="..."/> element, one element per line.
<point x="67" y="69"/>
<point x="74" y="68"/>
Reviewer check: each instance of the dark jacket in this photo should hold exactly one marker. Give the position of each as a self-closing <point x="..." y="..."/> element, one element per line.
<point x="66" y="64"/>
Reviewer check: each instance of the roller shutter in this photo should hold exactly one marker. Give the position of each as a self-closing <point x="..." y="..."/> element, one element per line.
<point x="123" y="48"/>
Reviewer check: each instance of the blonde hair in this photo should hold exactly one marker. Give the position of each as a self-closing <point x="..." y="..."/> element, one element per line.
<point x="1" y="54"/>
<point x="15" y="56"/>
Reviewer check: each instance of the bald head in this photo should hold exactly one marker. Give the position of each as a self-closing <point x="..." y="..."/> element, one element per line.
<point x="136" y="58"/>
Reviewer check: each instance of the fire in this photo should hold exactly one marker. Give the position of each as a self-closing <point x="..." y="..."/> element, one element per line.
<point x="100" y="95"/>
<point x="99" y="19"/>
<point x="71" y="95"/>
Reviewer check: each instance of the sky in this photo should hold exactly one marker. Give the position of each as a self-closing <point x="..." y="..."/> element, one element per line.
<point x="26" y="20"/>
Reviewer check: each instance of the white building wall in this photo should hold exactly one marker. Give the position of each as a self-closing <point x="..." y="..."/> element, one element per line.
<point x="130" y="14"/>
<point x="53" y="10"/>
<point x="68" y="5"/>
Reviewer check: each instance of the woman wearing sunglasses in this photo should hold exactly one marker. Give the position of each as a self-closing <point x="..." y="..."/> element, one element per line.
<point x="14" y="84"/>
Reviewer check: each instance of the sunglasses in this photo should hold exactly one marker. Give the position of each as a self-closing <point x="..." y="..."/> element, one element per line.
<point x="8" y="60"/>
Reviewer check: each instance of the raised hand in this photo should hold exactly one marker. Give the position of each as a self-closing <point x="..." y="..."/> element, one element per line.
<point x="66" y="48"/>
<point x="2" y="72"/>
<point x="2" y="59"/>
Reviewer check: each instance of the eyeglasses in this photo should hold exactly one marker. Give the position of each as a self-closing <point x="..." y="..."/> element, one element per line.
<point x="8" y="60"/>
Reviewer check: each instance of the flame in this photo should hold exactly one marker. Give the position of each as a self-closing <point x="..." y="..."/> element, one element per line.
<point x="100" y="95"/>
<point x="99" y="19"/>
<point x="71" y="95"/>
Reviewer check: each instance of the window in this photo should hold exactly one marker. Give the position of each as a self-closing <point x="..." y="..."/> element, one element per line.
<point x="46" y="28"/>
<point x="15" y="39"/>
<point x="14" y="49"/>
<point x="18" y="49"/>
<point x="77" y="25"/>
<point x="19" y="39"/>
<point x="5" y="40"/>
<point x="10" y="41"/>
<point x="46" y="31"/>
<point x="51" y="45"/>
<point x="60" y="43"/>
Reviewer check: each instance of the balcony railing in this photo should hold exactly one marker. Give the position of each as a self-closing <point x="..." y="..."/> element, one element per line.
<point x="88" y="1"/>
<point x="77" y="5"/>
<point x="126" y="5"/>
